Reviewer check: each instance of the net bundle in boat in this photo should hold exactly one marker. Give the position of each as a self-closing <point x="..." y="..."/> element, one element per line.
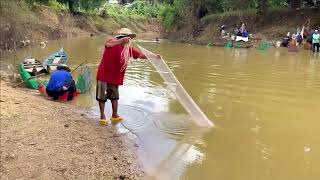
<point x="175" y="86"/>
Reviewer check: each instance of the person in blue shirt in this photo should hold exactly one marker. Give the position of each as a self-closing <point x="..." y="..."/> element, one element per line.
<point x="245" y="34"/>
<point x="61" y="82"/>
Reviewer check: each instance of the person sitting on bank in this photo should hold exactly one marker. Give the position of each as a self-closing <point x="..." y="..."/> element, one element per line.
<point x="243" y="28"/>
<point x="245" y="34"/>
<point x="316" y="41"/>
<point x="242" y="36"/>
<point x="239" y="33"/>
<point x="223" y="31"/>
<point x="61" y="82"/>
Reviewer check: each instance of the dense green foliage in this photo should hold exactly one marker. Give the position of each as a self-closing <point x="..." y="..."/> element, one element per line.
<point x="171" y="11"/>
<point x="185" y="10"/>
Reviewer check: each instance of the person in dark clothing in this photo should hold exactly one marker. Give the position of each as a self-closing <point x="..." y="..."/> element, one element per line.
<point x="245" y="34"/>
<point x="299" y="38"/>
<point x="239" y="33"/>
<point x="286" y="40"/>
<point x="61" y="82"/>
<point x="309" y="37"/>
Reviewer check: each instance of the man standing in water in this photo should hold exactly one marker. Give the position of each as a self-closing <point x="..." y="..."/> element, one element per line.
<point x="316" y="40"/>
<point x="111" y="71"/>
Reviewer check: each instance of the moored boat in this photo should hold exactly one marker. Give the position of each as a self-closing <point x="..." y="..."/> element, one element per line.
<point x="33" y="66"/>
<point x="54" y="60"/>
<point x="27" y="78"/>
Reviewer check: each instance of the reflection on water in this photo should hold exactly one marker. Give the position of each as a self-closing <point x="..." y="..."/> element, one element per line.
<point x="265" y="105"/>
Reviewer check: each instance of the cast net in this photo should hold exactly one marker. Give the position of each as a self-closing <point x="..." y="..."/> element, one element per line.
<point x="84" y="80"/>
<point x="175" y="86"/>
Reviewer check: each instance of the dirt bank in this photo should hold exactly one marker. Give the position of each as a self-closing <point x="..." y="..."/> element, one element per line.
<point x="272" y="27"/>
<point x="42" y="139"/>
<point x="21" y="25"/>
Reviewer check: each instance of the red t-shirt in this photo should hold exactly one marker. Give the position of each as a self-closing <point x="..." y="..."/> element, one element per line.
<point x="109" y="70"/>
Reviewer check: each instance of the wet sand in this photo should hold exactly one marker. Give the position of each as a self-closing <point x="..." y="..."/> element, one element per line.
<point x="43" y="139"/>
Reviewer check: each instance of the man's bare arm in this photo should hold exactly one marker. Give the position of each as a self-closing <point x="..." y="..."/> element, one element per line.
<point x="142" y="56"/>
<point x="113" y="42"/>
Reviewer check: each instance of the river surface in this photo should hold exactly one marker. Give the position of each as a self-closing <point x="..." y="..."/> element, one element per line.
<point x="265" y="106"/>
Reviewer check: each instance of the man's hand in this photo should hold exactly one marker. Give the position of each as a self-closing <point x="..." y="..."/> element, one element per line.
<point x="125" y="40"/>
<point x="158" y="56"/>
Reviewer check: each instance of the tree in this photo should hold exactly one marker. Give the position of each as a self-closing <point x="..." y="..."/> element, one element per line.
<point x="263" y="7"/>
<point x="295" y="3"/>
<point x="71" y="4"/>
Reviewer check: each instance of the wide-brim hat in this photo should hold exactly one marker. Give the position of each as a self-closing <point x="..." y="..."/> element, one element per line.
<point x="125" y="32"/>
<point x="63" y="67"/>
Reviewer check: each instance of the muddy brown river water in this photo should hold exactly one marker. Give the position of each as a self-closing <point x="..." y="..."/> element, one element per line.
<point x="265" y="106"/>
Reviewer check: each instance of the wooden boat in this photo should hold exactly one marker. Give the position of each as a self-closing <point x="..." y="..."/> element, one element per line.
<point x="84" y="80"/>
<point x="56" y="59"/>
<point x="27" y="78"/>
<point x="33" y="66"/>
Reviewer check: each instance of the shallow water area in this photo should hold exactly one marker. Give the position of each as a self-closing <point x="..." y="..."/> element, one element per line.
<point x="264" y="104"/>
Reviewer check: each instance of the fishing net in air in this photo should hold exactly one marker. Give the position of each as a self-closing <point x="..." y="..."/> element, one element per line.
<point x="175" y="86"/>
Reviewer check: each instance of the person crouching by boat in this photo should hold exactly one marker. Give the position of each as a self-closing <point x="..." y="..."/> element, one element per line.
<point x="61" y="82"/>
<point x="111" y="71"/>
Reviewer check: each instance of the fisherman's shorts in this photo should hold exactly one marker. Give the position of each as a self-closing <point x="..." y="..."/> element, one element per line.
<point x="106" y="91"/>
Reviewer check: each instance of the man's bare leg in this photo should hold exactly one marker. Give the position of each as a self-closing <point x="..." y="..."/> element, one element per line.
<point x="101" y="106"/>
<point x="114" y="108"/>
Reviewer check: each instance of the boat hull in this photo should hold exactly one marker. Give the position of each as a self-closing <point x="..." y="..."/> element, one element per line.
<point x="32" y="66"/>
<point x="56" y="59"/>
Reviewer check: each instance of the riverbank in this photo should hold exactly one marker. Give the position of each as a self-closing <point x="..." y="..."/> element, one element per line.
<point x="42" y="139"/>
<point x="272" y="27"/>
<point x="22" y="25"/>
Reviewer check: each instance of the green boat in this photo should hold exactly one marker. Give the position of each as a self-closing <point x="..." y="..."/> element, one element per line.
<point x="27" y="78"/>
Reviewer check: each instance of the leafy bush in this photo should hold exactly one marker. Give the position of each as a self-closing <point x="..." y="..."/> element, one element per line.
<point x="168" y="14"/>
<point x="138" y="9"/>
<point x="56" y="5"/>
<point x="143" y="8"/>
<point x="114" y="10"/>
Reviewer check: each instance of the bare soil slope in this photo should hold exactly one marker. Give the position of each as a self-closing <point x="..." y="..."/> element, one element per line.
<point x="42" y="139"/>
